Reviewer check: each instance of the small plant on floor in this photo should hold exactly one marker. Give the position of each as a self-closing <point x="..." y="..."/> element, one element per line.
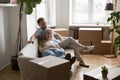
<point x="104" y="71"/>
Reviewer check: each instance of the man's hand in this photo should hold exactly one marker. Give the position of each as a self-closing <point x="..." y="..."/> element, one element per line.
<point x="32" y="38"/>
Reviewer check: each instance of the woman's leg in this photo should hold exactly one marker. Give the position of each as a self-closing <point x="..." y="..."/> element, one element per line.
<point x="47" y="53"/>
<point x="58" y="53"/>
<point x="54" y="52"/>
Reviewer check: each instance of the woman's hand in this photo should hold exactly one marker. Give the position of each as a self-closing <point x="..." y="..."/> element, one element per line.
<point x="53" y="46"/>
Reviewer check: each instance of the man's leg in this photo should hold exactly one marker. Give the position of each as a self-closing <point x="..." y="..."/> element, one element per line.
<point x="78" y="56"/>
<point x="70" y="41"/>
<point x="76" y="52"/>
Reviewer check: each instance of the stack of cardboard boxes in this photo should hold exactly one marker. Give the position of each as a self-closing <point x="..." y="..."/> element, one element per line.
<point x="62" y="31"/>
<point x="94" y="36"/>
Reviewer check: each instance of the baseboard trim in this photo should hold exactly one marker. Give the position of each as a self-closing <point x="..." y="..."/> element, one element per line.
<point x="4" y="66"/>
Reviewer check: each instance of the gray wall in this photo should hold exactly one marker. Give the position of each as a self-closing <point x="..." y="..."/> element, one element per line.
<point x="8" y="33"/>
<point x="4" y="38"/>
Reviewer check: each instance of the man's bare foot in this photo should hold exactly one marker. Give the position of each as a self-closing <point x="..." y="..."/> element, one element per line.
<point x="88" y="48"/>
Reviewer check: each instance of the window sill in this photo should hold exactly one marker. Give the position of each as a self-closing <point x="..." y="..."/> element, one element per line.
<point x="90" y="25"/>
<point x="8" y="5"/>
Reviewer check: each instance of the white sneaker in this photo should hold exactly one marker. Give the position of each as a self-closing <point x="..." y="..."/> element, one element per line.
<point x="89" y="48"/>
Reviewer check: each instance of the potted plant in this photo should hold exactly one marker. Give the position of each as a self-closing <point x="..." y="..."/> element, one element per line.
<point x="104" y="71"/>
<point x="25" y="7"/>
<point x="115" y="20"/>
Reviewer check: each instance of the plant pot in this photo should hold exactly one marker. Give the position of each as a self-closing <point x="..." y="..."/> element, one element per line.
<point x="104" y="74"/>
<point x="14" y="63"/>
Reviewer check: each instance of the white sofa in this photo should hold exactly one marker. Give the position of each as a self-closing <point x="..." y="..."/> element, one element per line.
<point x="29" y="52"/>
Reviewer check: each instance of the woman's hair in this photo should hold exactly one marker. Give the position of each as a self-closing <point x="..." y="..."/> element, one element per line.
<point x="43" y="41"/>
<point x="45" y="32"/>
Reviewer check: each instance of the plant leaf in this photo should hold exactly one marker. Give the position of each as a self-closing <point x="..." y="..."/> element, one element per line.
<point x="28" y="9"/>
<point x="19" y="1"/>
<point x="119" y="53"/>
<point x="33" y="4"/>
<point x="118" y="30"/>
<point x="109" y="19"/>
<point x="114" y="24"/>
<point x="117" y="41"/>
<point x="111" y="30"/>
<point x="38" y="1"/>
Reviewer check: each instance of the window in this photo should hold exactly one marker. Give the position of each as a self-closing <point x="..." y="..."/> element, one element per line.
<point x="88" y="11"/>
<point x="42" y="10"/>
<point x="45" y="9"/>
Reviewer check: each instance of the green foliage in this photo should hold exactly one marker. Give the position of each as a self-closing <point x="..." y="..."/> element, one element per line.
<point x="104" y="69"/>
<point x="111" y="30"/>
<point x="119" y="53"/>
<point x="117" y="41"/>
<point x="115" y="20"/>
<point x="29" y="5"/>
<point x="25" y="6"/>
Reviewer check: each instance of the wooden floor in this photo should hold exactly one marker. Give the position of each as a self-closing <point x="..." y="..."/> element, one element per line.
<point x="93" y="60"/>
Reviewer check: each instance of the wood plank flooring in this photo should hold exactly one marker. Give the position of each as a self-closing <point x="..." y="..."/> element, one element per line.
<point x="78" y="71"/>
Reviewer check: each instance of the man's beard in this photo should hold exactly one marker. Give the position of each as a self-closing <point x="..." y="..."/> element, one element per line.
<point x="44" y="27"/>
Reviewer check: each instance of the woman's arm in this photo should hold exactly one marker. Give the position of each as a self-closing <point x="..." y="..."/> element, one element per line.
<point x="43" y="46"/>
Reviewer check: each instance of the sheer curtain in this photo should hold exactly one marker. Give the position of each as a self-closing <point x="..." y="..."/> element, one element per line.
<point x="88" y="11"/>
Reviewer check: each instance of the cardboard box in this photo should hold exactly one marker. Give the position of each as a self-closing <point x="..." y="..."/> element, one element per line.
<point x="62" y="31"/>
<point x="90" y="34"/>
<point x="51" y="68"/>
<point x="102" y="48"/>
<point x="85" y="43"/>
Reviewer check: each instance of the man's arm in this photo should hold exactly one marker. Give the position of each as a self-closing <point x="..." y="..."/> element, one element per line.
<point x="58" y="36"/>
<point x="32" y="38"/>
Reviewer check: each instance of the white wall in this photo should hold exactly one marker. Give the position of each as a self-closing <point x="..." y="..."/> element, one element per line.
<point x="62" y="13"/>
<point x="8" y="33"/>
<point x="13" y="24"/>
<point x="118" y="5"/>
<point x="4" y="38"/>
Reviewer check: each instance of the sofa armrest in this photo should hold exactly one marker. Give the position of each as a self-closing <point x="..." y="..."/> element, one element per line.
<point x="25" y="67"/>
<point x="30" y="50"/>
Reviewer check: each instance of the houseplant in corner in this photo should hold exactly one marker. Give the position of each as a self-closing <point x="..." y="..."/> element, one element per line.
<point x="104" y="71"/>
<point x="115" y="20"/>
<point x="25" y="7"/>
